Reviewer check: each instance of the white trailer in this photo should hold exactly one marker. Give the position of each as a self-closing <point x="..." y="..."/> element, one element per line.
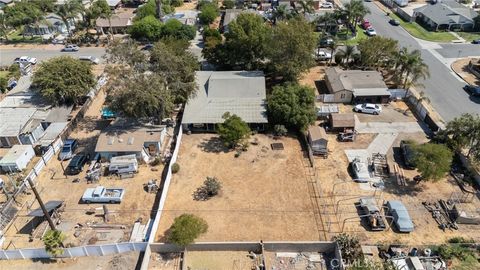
<point x="17" y="158"/>
<point x="123" y="164"/>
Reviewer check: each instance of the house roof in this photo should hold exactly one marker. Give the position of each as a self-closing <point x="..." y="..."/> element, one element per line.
<point x="317" y="133"/>
<point x="354" y="79"/>
<point x="238" y="92"/>
<point x="14" y="153"/>
<point x="127" y="136"/>
<point x="52" y="132"/>
<point x="448" y="12"/>
<point x="232" y="14"/>
<point x="342" y="120"/>
<point x="120" y="20"/>
<point x="366" y="92"/>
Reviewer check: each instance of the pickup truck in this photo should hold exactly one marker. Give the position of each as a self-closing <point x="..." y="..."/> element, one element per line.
<point x="101" y="194"/>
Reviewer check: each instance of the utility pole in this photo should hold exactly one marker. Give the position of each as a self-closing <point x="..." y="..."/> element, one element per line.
<point x="40" y="202"/>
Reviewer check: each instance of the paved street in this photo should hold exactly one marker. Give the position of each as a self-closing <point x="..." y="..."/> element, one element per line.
<point x="8" y="55"/>
<point x="444" y="87"/>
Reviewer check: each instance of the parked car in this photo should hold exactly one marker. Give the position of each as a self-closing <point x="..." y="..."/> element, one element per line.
<point x="321" y="56"/>
<point x="90" y="59"/>
<point x="325" y="42"/>
<point x="26" y="60"/>
<point x="371" y="212"/>
<point x="408" y="153"/>
<point x="371" y="32"/>
<point x="326" y="5"/>
<point x="101" y="194"/>
<point x="394" y="22"/>
<point x="368" y="108"/>
<point x="70" y="48"/>
<point x="76" y="164"/>
<point x="400" y="215"/>
<point x="476" y="41"/>
<point x="360" y="171"/>
<point x="366" y="24"/>
<point x="68" y="149"/>
<point x="472" y="90"/>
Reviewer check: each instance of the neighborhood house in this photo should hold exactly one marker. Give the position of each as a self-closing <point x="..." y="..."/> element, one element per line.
<point x="447" y="15"/>
<point x="356" y="86"/>
<point x="238" y="92"/>
<point x="127" y="138"/>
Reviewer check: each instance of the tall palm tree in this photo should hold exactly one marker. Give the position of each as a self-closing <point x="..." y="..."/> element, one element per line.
<point x="280" y="13"/>
<point x="347" y="53"/>
<point x="354" y="11"/>
<point x="68" y="11"/>
<point x="412" y="68"/>
<point x="327" y="19"/>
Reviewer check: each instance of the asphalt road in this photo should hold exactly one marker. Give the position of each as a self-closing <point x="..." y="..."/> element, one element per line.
<point x="444" y="87"/>
<point x="8" y="55"/>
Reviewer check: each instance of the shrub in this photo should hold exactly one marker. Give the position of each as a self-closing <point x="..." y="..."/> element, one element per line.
<point x="3" y="84"/>
<point x="155" y="162"/>
<point x="212" y="186"/>
<point x="186" y="228"/>
<point x="280" y="130"/>
<point x="175" y="167"/>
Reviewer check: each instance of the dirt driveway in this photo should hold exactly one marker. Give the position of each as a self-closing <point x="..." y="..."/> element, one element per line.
<point x="264" y="194"/>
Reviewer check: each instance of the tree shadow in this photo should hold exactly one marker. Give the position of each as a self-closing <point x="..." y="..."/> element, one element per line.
<point x="411" y="188"/>
<point x="213" y="145"/>
<point x="321" y="86"/>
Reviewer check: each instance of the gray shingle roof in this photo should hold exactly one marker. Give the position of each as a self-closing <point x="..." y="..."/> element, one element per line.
<point x="447" y="12"/>
<point x="238" y="92"/>
<point x="354" y="79"/>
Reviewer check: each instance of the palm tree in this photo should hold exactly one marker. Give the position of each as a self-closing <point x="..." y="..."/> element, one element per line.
<point x="347" y="53"/>
<point x="355" y="11"/>
<point x="306" y="6"/>
<point x="327" y="19"/>
<point x="412" y="67"/>
<point x="3" y="27"/>
<point x="68" y="11"/>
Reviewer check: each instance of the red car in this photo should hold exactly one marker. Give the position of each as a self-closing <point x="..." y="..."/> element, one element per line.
<point x="366" y="24"/>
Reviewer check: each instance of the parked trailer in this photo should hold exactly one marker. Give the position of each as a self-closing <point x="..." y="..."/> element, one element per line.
<point x="101" y="194"/>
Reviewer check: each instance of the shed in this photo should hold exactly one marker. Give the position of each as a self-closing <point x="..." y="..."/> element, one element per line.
<point x="318" y="140"/>
<point x="17" y="158"/>
<point x="342" y="121"/>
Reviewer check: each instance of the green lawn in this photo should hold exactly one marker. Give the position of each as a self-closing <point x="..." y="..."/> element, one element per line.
<point x="469" y="36"/>
<point x="16" y="37"/>
<point x="354" y="41"/>
<point x="4" y="74"/>
<point x="418" y="31"/>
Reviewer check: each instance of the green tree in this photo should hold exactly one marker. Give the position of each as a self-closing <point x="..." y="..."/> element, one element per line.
<point x="63" y="80"/>
<point x="228" y="4"/>
<point x="291" y="48"/>
<point x="281" y="13"/>
<point x="305" y="6"/>
<point x="464" y="132"/>
<point x="233" y="130"/>
<point x="349" y="246"/>
<point x="44" y="5"/>
<point x="148" y="28"/>
<point x="176" y="3"/>
<point x="346" y="54"/>
<point x="174" y="28"/>
<point x="292" y="105"/>
<point x="23" y="13"/>
<point x="245" y="44"/>
<point x="150" y="9"/>
<point x="53" y="241"/>
<point x="3" y="84"/>
<point x="186" y="228"/>
<point x="68" y="11"/>
<point x="433" y="161"/>
<point x="354" y="11"/>
<point x="4" y="28"/>
<point x="208" y="13"/>
<point x="177" y="66"/>
<point x="376" y="52"/>
<point x="99" y="8"/>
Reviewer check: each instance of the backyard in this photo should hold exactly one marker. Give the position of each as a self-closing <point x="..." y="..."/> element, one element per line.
<point x="264" y="196"/>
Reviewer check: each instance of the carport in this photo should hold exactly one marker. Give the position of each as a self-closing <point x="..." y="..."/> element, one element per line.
<point x="371" y="95"/>
<point x="340" y="122"/>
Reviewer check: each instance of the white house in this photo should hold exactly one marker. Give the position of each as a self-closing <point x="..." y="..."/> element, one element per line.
<point x="17" y="158"/>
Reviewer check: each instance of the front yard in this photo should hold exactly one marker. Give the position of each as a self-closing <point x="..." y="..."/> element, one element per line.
<point x="418" y="31"/>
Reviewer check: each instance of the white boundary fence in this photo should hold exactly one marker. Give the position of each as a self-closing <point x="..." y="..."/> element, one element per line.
<point x="95" y="250"/>
<point x="163" y="198"/>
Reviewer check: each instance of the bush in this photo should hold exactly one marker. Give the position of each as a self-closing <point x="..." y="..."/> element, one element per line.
<point x="280" y="130"/>
<point x="186" y="228"/>
<point x="175" y="167"/>
<point x="176" y="3"/>
<point x="14" y="70"/>
<point x="211" y="187"/>
<point x="3" y="84"/>
<point x="155" y="162"/>
<point x="174" y="28"/>
<point x="460" y="240"/>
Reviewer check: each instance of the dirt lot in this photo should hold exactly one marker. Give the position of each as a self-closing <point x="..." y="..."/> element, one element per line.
<point x="335" y="178"/>
<point x="53" y="185"/>
<point x="264" y="194"/>
<point x="124" y="261"/>
<point x="219" y="260"/>
<point x="165" y="261"/>
<point x="461" y="68"/>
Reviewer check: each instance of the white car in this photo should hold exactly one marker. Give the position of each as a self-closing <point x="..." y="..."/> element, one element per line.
<point x="26" y="60"/>
<point x="326" y="5"/>
<point x="90" y="59"/>
<point x="371" y="32"/>
<point x="321" y="55"/>
<point x="368" y="108"/>
<point x="70" y="48"/>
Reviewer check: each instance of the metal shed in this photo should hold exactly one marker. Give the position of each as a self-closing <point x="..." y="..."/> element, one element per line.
<point x="318" y="140"/>
<point x="17" y="158"/>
